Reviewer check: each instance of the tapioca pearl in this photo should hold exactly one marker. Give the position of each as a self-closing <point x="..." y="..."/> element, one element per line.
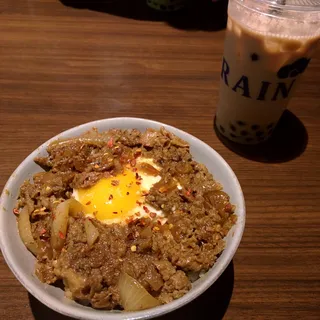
<point x="233" y="128"/>
<point x="241" y="123"/>
<point x="270" y="125"/>
<point x="222" y="129"/>
<point x="259" y="133"/>
<point x="244" y="133"/>
<point x="254" y="57"/>
<point x="255" y="127"/>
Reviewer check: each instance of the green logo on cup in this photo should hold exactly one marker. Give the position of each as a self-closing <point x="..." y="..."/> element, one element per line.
<point x="294" y="69"/>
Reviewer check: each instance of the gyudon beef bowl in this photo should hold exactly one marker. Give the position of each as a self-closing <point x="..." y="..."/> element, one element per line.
<point x="121" y="218"/>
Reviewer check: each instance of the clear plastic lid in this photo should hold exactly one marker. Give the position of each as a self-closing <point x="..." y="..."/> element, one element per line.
<point x="286" y="18"/>
<point x="294" y="5"/>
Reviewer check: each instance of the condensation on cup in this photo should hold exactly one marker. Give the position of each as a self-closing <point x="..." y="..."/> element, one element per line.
<point x="268" y="46"/>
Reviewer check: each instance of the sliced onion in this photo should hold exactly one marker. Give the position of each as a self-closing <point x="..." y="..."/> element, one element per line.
<point x="24" y="227"/>
<point x="164" y="186"/>
<point x="76" y="209"/>
<point x="59" y="225"/>
<point x="95" y="141"/>
<point x="45" y="250"/>
<point x="60" y="221"/>
<point x="148" y="169"/>
<point x="179" y="142"/>
<point x="133" y="295"/>
<point x="91" y="231"/>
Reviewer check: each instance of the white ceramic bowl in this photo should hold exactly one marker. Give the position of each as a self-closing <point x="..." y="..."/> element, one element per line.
<point x="21" y="261"/>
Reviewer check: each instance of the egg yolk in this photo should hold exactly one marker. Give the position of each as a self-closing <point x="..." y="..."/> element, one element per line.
<point x="111" y="198"/>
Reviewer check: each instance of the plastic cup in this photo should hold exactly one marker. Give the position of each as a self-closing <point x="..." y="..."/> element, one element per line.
<point x="268" y="46"/>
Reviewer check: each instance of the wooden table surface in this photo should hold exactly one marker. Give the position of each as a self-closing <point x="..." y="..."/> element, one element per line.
<point x="61" y="66"/>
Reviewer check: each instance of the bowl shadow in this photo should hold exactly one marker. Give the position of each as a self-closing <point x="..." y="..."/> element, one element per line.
<point x="41" y="311"/>
<point x="216" y="298"/>
<point x="288" y="141"/>
<point x="212" y="304"/>
<point x="203" y="15"/>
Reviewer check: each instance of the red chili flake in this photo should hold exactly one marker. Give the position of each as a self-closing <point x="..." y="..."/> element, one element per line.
<point x="43" y="231"/>
<point x="115" y="182"/>
<point x="61" y="235"/>
<point x="115" y="212"/>
<point x="145" y="193"/>
<point x="159" y="222"/>
<point x="134" y="169"/>
<point x="133" y="162"/>
<point x="138" y="203"/>
<point x="129" y="220"/>
<point x="188" y="192"/>
<point x="163" y="189"/>
<point x="137" y="153"/>
<point x="110" y="197"/>
<point x="110" y="143"/>
<point x="138" y="214"/>
<point x="138" y="183"/>
<point x="146" y="209"/>
<point x="152" y="215"/>
<point x="128" y="193"/>
<point x="16" y="211"/>
<point x="88" y="203"/>
<point x="228" y="208"/>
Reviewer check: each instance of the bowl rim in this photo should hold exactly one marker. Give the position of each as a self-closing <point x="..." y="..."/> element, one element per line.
<point x="92" y="314"/>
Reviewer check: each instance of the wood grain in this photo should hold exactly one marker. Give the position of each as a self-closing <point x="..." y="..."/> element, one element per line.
<point x="61" y="66"/>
